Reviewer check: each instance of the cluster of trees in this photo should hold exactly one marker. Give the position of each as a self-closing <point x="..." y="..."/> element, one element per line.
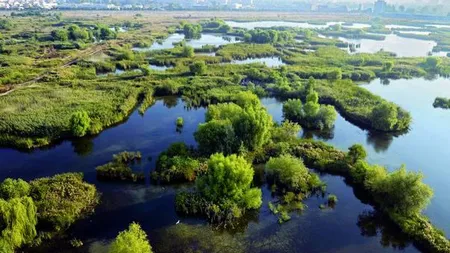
<point x="76" y="33"/>
<point x="192" y="31"/>
<point x="387" y="116"/>
<point x="119" y="168"/>
<point x="230" y="127"/>
<point x="177" y="164"/>
<point x="443" y="103"/>
<point x="80" y="123"/>
<point x="224" y="193"/>
<point x="312" y="114"/>
<point x="51" y="204"/>
<point x="263" y="36"/>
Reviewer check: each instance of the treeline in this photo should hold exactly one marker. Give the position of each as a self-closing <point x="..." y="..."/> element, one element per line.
<point x="263" y="36"/>
<point x="76" y="33"/>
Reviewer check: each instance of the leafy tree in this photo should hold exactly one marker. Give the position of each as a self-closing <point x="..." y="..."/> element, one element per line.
<point x="293" y="109"/>
<point x="326" y="116"/>
<point x="198" y="68"/>
<point x="356" y="152"/>
<point x="60" y="35"/>
<point x="403" y="192"/>
<point x="14" y="188"/>
<point x="433" y="62"/>
<point x="228" y="182"/>
<point x="18" y="221"/>
<point x="216" y="136"/>
<point x="388" y="66"/>
<point x="103" y="32"/>
<point x="192" y="31"/>
<point x="290" y="173"/>
<point x="384" y="116"/>
<point x="286" y="132"/>
<point x="132" y="240"/>
<point x="77" y="33"/>
<point x="187" y="51"/>
<point x="80" y="123"/>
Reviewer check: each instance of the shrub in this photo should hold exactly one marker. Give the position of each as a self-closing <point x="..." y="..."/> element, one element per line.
<point x="132" y="240"/>
<point x="80" y="123"/>
<point x="63" y="199"/>
<point x="291" y="174"/>
<point x="179" y="122"/>
<point x="118" y="169"/>
<point x="198" y="68"/>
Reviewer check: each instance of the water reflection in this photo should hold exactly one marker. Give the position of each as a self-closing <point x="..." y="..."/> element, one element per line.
<point x="373" y="223"/>
<point x="83" y="146"/>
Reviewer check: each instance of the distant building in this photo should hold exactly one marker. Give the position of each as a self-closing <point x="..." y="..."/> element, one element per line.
<point x="380" y="6"/>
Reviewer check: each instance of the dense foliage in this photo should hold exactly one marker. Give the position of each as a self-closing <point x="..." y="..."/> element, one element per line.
<point x="224" y="192"/>
<point x="132" y="240"/>
<point x="312" y="114"/>
<point x="30" y="212"/>
<point x="119" y="168"/>
<point x="290" y="173"/>
<point x="80" y="123"/>
<point x="267" y="36"/>
<point x="229" y="126"/>
<point x="177" y="164"/>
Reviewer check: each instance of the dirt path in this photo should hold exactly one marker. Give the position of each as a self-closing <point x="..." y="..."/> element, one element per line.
<point x="82" y="55"/>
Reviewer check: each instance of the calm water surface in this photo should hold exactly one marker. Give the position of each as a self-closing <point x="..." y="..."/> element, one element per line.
<point x="206" y="39"/>
<point x="347" y="228"/>
<point x="424" y="148"/>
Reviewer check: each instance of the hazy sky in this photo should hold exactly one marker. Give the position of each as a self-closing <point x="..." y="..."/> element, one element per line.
<point x="396" y="1"/>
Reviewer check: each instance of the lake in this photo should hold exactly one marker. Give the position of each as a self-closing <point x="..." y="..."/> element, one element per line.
<point x="395" y="44"/>
<point x="345" y="228"/>
<point x="268" y="61"/>
<point x="423" y="148"/>
<point x="349" y="227"/>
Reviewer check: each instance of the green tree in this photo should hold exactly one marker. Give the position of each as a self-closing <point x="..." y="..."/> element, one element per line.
<point x="433" y="62"/>
<point x="326" y="116"/>
<point x="60" y="35"/>
<point x="286" y="132"/>
<point x="132" y="240"/>
<point x="18" y="221"/>
<point x="80" y="123"/>
<point x="356" y="152"/>
<point x="290" y="173"/>
<point x="14" y="188"/>
<point x="403" y="192"/>
<point x="228" y="181"/>
<point x="187" y="51"/>
<point x="216" y="136"/>
<point x="388" y="66"/>
<point x="384" y="116"/>
<point x="293" y="109"/>
<point x="198" y="68"/>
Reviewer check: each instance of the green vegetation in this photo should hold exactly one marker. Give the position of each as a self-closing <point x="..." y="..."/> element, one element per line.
<point x="332" y="200"/>
<point x="118" y="169"/>
<point x="132" y="240"/>
<point x="263" y="36"/>
<point x="178" y="164"/>
<point x="230" y="126"/>
<point x="310" y="115"/>
<point x="31" y="212"/>
<point x="224" y="193"/>
<point x="179" y="122"/>
<point x="443" y="103"/>
<point x="291" y="174"/>
<point x="80" y="123"/>
<point x="192" y="31"/>
<point x="198" y="68"/>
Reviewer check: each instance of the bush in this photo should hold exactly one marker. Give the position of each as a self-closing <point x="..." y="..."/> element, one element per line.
<point x="332" y="200"/>
<point x="228" y="181"/>
<point x="177" y="164"/>
<point x="310" y="115"/>
<point x="132" y="240"/>
<point x="198" y="68"/>
<point x="80" y="123"/>
<point x="290" y="173"/>
<point x="118" y="169"/>
<point x="179" y="122"/>
<point x="443" y="103"/>
<point x="62" y="199"/>
<point x="14" y="188"/>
